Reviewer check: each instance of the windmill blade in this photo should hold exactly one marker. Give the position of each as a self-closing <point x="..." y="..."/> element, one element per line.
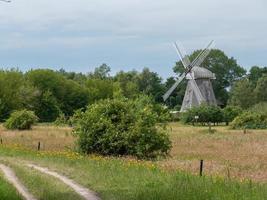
<point x="168" y="93"/>
<point x="183" y="56"/>
<point x="202" y="55"/>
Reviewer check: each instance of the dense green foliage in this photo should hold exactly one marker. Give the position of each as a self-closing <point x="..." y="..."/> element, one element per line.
<point x="205" y="114"/>
<point x="253" y="118"/>
<point x="250" y="120"/>
<point x="259" y="108"/>
<point x="242" y="94"/>
<point x="21" y="120"/>
<point x="230" y="113"/>
<point x="251" y="89"/>
<point x="121" y="127"/>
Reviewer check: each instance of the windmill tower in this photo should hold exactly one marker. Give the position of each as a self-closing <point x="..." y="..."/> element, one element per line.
<point x="199" y="88"/>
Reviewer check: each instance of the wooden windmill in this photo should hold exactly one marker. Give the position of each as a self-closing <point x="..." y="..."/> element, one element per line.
<point x="199" y="88"/>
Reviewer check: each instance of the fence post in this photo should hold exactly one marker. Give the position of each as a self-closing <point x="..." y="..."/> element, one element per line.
<point x="39" y="146"/>
<point x="201" y="168"/>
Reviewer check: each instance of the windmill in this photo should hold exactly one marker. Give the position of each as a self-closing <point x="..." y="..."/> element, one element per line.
<point x="199" y="88"/>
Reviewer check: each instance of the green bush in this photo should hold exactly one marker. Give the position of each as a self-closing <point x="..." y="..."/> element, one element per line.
<point x="205" y="113"/>
<point x="259" y="108"/>
<point x="250" y="120"/>
<point x="230" y="113"/>
<point x="162" y="113"/>
<point x="21" y="120"/>
<point x="61" y="120"/>
<point x="121" y="127"/>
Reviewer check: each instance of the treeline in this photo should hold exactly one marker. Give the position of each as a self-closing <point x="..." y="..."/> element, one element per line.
<point x="51" y="94"/>
<point x="251" y="89"/>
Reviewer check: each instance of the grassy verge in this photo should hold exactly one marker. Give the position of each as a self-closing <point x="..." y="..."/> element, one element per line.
<point x="43" y="186"/>
<point x="7" y="191"/>
<point x="123" y="179"/>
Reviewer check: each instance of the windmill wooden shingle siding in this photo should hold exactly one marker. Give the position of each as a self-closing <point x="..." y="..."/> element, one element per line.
<point x="203" y="78"/>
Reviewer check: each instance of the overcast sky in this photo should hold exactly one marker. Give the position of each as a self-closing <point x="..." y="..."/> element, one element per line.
<point x="78" y="35"/>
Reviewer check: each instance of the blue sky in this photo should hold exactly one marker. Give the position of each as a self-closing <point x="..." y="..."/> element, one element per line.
<point x="79" y="35"/>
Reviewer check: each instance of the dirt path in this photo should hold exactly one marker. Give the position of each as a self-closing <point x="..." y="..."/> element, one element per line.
<point x="84" y="192"/>
<point x="12" y="178"/>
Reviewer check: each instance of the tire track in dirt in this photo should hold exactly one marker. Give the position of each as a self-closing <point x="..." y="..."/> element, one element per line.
<point x="84" y="192"/>
<point x="12" y="178"/>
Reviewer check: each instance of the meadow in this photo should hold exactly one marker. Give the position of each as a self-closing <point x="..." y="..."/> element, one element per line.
<point x="235" y="165"/>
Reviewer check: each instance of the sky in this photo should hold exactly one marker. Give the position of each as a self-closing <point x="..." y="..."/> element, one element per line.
<point x="79" y="35"/>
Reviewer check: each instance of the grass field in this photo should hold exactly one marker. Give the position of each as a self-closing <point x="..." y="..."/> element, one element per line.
<point x="235" y="161"/>
<point x="7" y="191"/>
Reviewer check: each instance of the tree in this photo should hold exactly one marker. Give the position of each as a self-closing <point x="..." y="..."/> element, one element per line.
<point x="205" y="113"/>
<point x="99" y="89"/>
<point x="255" y="73"/>
<point x="230" y="112"/>
<point x="242" y="94"/>
<point x="226" y="69"/>
<point x="69" y="94"/>
<point x="101" y="72"/>
<point x="78" y="77"/>
<point x="261" y="89"/>
<point x="16" y="93"/>
<point x="47" y="108"/>
<point x="150" y="83"/>
<point x="128" y="83"/>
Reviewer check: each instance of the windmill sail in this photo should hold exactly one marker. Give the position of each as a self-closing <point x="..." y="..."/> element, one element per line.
<point x="168" y="93"/>
<point x="186" y="63"/>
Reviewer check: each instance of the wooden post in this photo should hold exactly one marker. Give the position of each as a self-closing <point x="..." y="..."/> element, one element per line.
<point x="201" y="168"/>
<point x="209" y="127"/>
<point x="1" y="141"/>
<point x="39" y="146"/>
<point x="228" y="172"/>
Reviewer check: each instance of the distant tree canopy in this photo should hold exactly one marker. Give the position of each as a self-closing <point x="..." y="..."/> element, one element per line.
<point x="226" y="69"/>
<point x="251" y="89"/>
<point x="255" y="73"/>
<point x="67" y="95"/>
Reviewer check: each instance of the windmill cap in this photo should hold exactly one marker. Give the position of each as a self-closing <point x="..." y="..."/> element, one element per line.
<point x="200" y="72"/>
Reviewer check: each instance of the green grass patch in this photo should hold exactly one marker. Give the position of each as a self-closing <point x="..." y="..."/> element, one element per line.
<point x="7" y="191"/>
<point x="120" y="179"/>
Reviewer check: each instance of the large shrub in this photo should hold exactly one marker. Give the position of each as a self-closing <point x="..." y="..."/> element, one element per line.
<point x="121" y="127"/>
<point x="230" y="112"/>
<point x="250" y="120"/>
<point x="21" y="120"/>
<point x="205" y="113"/>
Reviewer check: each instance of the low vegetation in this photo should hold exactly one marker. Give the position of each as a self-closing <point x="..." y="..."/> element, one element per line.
<point x="121" y="127"/>
<point x="226" y="152"/>
<point x="7" y="191"/>
<point x="205" y="114"/>
<point x="250" y="120"/>
<point x="121" y="179"/>
<point x="42" y="186"/>
<point x="21" y="120"/>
